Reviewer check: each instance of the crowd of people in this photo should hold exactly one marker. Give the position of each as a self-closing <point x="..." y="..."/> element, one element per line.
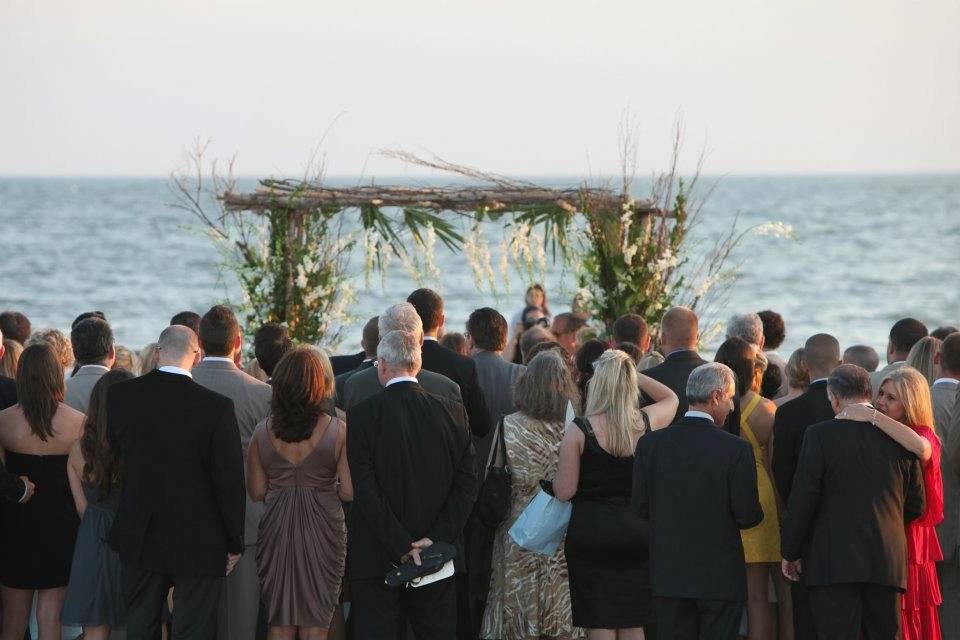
<point x="185" y="491"/>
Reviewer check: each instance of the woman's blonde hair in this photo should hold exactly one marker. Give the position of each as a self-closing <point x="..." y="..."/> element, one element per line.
<point x="614" y="390"/>
<point x="914" y="393"/>
<point x="797" y="376"/>
<point x="921" y="357"/>
<point x="11" y="356"/>
<point x="56" y="339"/>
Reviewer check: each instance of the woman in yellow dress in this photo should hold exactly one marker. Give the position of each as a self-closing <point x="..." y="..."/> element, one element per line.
<point x="761" y="544"/>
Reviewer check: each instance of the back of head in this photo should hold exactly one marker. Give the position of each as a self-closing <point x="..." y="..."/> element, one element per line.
<point x="821" y="355"/>
<point x="177" y="345"/>
<point x="15" y="326"/>
<point x="59" y="342"/>
<point x="189" y="319"/>
<point x="92" y="340"/>
<point x="862" y="356"/>
<point x="101" y="468"/>
<point x="588" y="353"/>
<point x="797" y="376"/>
<point x="914" y="393"/>
<point x="950" y="355"/>
<point x="631" y="350"/>
<point x="904" y="334"/>
<point x="400" y="350"/>
<point x="219" y="331"/>
<point x="544" y="388"/>
<point x="370" y="337"/>
<point x="570" y="321"/>
<point x="740" y="356"/>
<point x="746" y="326"/>
<point x="400" y="317"/>
<point x="11" y="355"/>
<point x="549" y="345"/>
<point x="923" y="357"/>
<point x="774" y="329"/>
<point x="708" y="378"/>
<point x="771" y="383"/>
<point x="679" y="329"/>
<point x="302" y="385"/>
<point x="270" y="343"/>
<point x="532" y="337"/>
<point x="488" y="329"/>
<point x="630" y="328"/>
<point x="126" y="359"/>
<point x="455" y="342"/>
<point x="40" y="388"/>
<point x="87" y="314"/>
<point x="849" y="383"/>
<point x="148" y="358"/>
<point x="614" y="391"/>
<point x="943" y="332"/>
<point x="429" y="306"/>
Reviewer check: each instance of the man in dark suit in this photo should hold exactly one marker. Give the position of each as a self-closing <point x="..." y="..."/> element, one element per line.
<point x="369" y="342"/>
<point x="679" y="332"/>
<point x="854" y="489"/>
<point x="342" y="364"/>
<point x="944" y="394"/>
<point x="697" y="485"/>
<point x="439" y="359"/>
<point x="12" y="488"/>
<point x="412" y="464"/>
<point x="821" y="355"/>
<point x="270" y="343"/>
<point x="180" y="519"/>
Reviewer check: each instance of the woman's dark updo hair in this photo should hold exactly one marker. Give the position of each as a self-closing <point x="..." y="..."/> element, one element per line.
<point x="738" y="354"/>
<point x="302" y="388"/>
<point x="101" y="466"/>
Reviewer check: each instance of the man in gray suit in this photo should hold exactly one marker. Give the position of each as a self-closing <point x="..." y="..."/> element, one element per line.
<point x="903" y="335"/>
<point x="946" y="405"/>
<point x="93" y="351"/>
<point x="365" y="384"/>
<point x="222" y="342"/>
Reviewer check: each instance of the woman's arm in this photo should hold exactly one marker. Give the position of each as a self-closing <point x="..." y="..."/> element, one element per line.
<point x="568" y="468"/>
<point x="345" y="488"/>
<point x="256" y="476"/>
<point x="75" y="464"/>
<point x="904" y="435"/>
<point x="665" y="402"/>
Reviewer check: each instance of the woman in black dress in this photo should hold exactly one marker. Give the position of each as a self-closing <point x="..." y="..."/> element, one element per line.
<point x="94" y="598"/>
<point x="37" y="538"/>
<point x="606" y="546"/>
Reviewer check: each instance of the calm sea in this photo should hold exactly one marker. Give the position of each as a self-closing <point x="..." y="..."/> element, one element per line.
<point x="867" y="251"/>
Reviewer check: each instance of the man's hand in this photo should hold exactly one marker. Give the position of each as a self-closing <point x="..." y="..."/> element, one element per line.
<point x="232" y="560"/>
<point x="415" y="549"/>
<point x="31" y="488"/>
<point x="791" y="570"/>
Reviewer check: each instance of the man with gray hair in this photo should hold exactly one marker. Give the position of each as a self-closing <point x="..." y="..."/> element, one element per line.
<point x="747" y="326"/>
<point x="412" y="463"/>
<point x="854" y="489"/>
<point x="365" y="383"/>
<point x="697" y="485"/>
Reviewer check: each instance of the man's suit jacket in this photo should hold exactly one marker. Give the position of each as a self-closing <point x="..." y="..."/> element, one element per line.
<point x="854" y="490"/>
<point x="11" y="487"/>
<point x="945" y="396"/>
<point x="697" y="484"/>
<point x="80" y="384"/>
<point x="462" y="370"/>
<point x="789" y="424"/>
<point x="342" y="364"/>
<point x="412" y="464"/>
<point x="8" y="392"/>
<point x="341" y="380"/>
<point x="182" y="497"/>
<point x="674" y="372"/>
<point x="877" y="376"/>
<point x="496" y="378"/>
<point x="365" y="384"/>
<point x="251" y="403"/>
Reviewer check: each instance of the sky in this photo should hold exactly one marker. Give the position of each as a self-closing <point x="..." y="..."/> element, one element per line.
<point x="524" y="87"/>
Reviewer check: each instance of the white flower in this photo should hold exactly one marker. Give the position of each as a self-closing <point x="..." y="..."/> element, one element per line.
<point x="775" y="229"/>
<point x="629" y="252"/>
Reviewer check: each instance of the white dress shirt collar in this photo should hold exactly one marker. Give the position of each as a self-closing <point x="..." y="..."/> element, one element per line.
<point x="177" y="370"/>
<point x="93" y="367"/>
<point x="698" y="414"/>
<point x="219" y="359"/>
<point x="430" y="339"/>
<point x="400" y="379"/>
<point x="952" y="381"/>
<point x="818" y="380"/>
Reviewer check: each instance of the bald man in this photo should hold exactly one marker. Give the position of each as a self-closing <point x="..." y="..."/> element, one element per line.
<point x="180" y="519"/>
<point x="679" y="333"/>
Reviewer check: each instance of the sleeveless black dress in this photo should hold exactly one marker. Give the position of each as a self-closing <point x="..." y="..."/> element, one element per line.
<point x="607" y="544"/>
<point x="37" y="538"/>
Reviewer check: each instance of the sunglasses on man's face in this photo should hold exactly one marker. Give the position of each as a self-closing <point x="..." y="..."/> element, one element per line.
<point x="543" y="322"/>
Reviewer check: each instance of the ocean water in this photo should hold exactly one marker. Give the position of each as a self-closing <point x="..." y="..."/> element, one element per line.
<point x="866" y="251"/>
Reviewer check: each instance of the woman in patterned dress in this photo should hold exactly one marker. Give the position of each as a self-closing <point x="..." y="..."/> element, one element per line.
<point x="529" y="594"/>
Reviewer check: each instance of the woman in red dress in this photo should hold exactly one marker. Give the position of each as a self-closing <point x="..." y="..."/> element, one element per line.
<point x="904" y="412"/>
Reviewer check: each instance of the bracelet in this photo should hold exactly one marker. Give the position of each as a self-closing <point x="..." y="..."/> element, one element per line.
<point x="873" y="418"/>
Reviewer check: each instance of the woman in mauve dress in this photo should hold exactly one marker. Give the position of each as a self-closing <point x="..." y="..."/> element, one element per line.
<point x="297" y="465"/>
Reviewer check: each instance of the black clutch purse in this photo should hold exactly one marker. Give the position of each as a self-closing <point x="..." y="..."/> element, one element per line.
<point x="493" y="499"/>
<point x="432" y="559"/>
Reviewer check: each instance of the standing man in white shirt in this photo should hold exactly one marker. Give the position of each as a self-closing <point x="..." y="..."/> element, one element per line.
<point x="92" y="341"/>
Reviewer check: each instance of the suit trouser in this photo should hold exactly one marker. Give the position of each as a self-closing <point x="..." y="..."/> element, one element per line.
<point x="803" y="628"/>
<point x="380" y="612"/>
<point x="688" y="619"/>
<point x="240" y="600"/>
<point x="194" y="601"/>
<point x="853" y="611"/>
<point x="949" y="574"/>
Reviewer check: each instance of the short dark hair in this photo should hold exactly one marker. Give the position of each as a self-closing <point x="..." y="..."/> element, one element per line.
<point x="863" y="355"/>
<point x="187" y="319"/>
<point x="270" y="343"/>
<point x="849" y="382"/>
<point x="15" y="326"/>
<point x="774" y="330"/>
<point x="87" y="314"/>
<point x="429" y="306"/>
<point x="218" y="331"/>
<point x="587" y="354"/>
<point x="91" y="339"/>
<point x="943" y="332"/>
<point x="370" y="337"/>
<point x="905" y="333"/>
<point x="532" y="337"/>
<point x="455" y="342"/>
<point x="772" y="381"/>
<point x="572" y="321"/>
<point x="630" y="328"/>
<point x="631" y="350"/>
<point x="950" y="353"/>
<point x="488" y="329"/>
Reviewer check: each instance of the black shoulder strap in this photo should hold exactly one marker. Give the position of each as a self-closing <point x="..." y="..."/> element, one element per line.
<point x="646" y="421"/>
<point x="584" y="425"/>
